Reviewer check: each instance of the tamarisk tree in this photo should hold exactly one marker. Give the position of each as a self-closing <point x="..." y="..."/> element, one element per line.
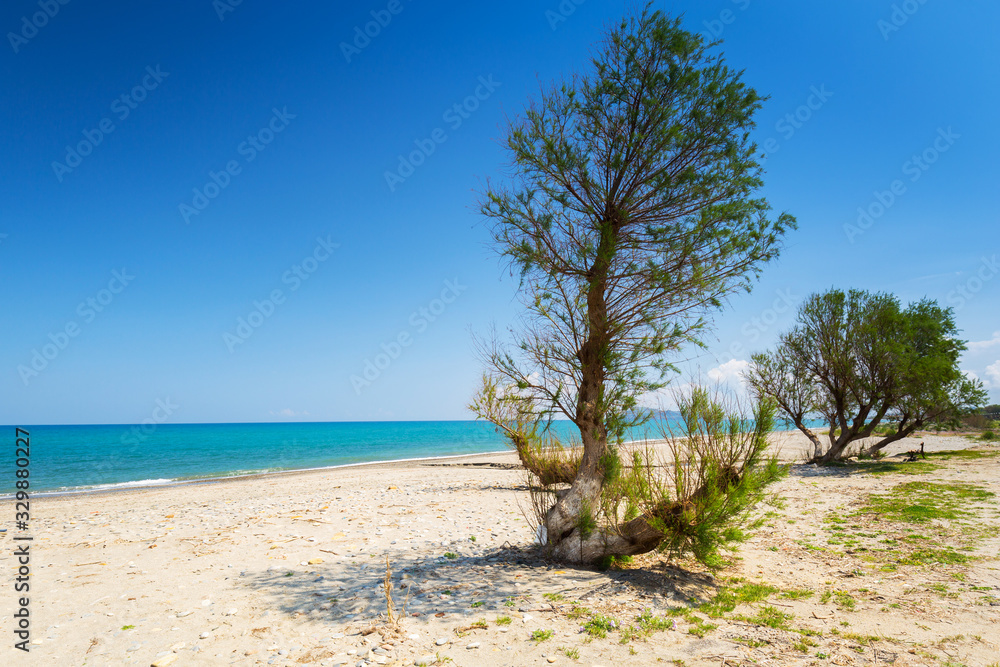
<point x="632" y="212"/>
<point x="857" y="360"/>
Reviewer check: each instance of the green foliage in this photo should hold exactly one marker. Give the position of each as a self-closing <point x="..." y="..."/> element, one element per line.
<point x="857" y="359"/>
<point x="769" y="616"/>
<point x="721" y="473"/>
<point x="797" y="594"/>
<point x="632" y="212"/>
<point x="650" y="623"/>
<point x="541" y="635"/>
<point x="586" y="523"/>
<point x="961" y="454"/>
<point x="599" y="626"/>
<point x="614" y="562"/>
<point x="504" y="620"/>
<point x="920" y="502"/>
<point x="701" y="629"/>
<point x="726" y="599"/>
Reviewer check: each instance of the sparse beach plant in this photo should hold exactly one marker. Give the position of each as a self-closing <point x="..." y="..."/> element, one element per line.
<point x="599" y="626"/>
<point x="541" y="635"/>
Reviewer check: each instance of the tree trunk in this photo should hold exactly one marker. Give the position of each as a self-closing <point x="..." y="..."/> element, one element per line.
<point x="889" y="439"/>
<point x="837" y="447"/>
<point x="568" y="523"/>
<point x="636" y="536"/>
<point x="813" y="438"/>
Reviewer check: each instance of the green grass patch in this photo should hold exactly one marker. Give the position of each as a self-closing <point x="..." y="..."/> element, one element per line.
<point x="921" y="502"/>
<point x="943" y="556"/>
<point x="647" y="621"/>
<point x="797" y="594"/>
<point x="752" y="643"/>
<point x="541" y="635"/>
<point x="888" y="467"/>
<point x="770" y="617"/>
<point x="599" y="626"/>
<point x="961" y="454"/>
<point x="726" y="599"/>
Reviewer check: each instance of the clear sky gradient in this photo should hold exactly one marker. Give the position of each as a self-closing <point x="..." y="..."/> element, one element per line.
<point x="195" y="208"/>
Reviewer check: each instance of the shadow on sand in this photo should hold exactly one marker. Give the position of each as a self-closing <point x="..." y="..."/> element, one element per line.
<point x="351" y="590"/>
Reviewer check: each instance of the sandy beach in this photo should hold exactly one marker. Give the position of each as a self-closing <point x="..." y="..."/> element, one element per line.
<point x="288" y="570"/>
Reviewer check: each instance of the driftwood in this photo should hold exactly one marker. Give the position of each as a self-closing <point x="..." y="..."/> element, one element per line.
<point x="913" y="454"/>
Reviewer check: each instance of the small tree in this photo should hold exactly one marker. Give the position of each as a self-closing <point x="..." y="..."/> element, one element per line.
<point x="858" y="359"/>
<point x="630" y="216"/>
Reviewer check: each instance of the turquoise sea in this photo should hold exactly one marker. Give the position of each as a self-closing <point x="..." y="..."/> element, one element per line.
<point x="80" y="458"/>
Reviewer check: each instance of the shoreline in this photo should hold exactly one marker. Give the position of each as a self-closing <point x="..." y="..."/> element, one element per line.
<point x="138" y="485"/>
<point x="156" y="484"/>
<point x="286" y="570"/>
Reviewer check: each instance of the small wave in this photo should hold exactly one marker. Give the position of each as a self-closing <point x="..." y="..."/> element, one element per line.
<point x="100" y="487"/>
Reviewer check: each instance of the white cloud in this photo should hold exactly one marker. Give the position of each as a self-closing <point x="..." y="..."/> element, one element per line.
<point x="730" y="373"/>
<point x="288" y="412"/>
<point x="726" y="376"/>
<point x="978" y="346"/>
<point x="994" y="372"/>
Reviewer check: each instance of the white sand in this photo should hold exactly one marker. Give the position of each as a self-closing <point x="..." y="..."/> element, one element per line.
<point x="286" y="569"/>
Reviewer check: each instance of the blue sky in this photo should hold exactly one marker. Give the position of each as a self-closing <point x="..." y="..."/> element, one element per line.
<point x="172" y="168"/>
